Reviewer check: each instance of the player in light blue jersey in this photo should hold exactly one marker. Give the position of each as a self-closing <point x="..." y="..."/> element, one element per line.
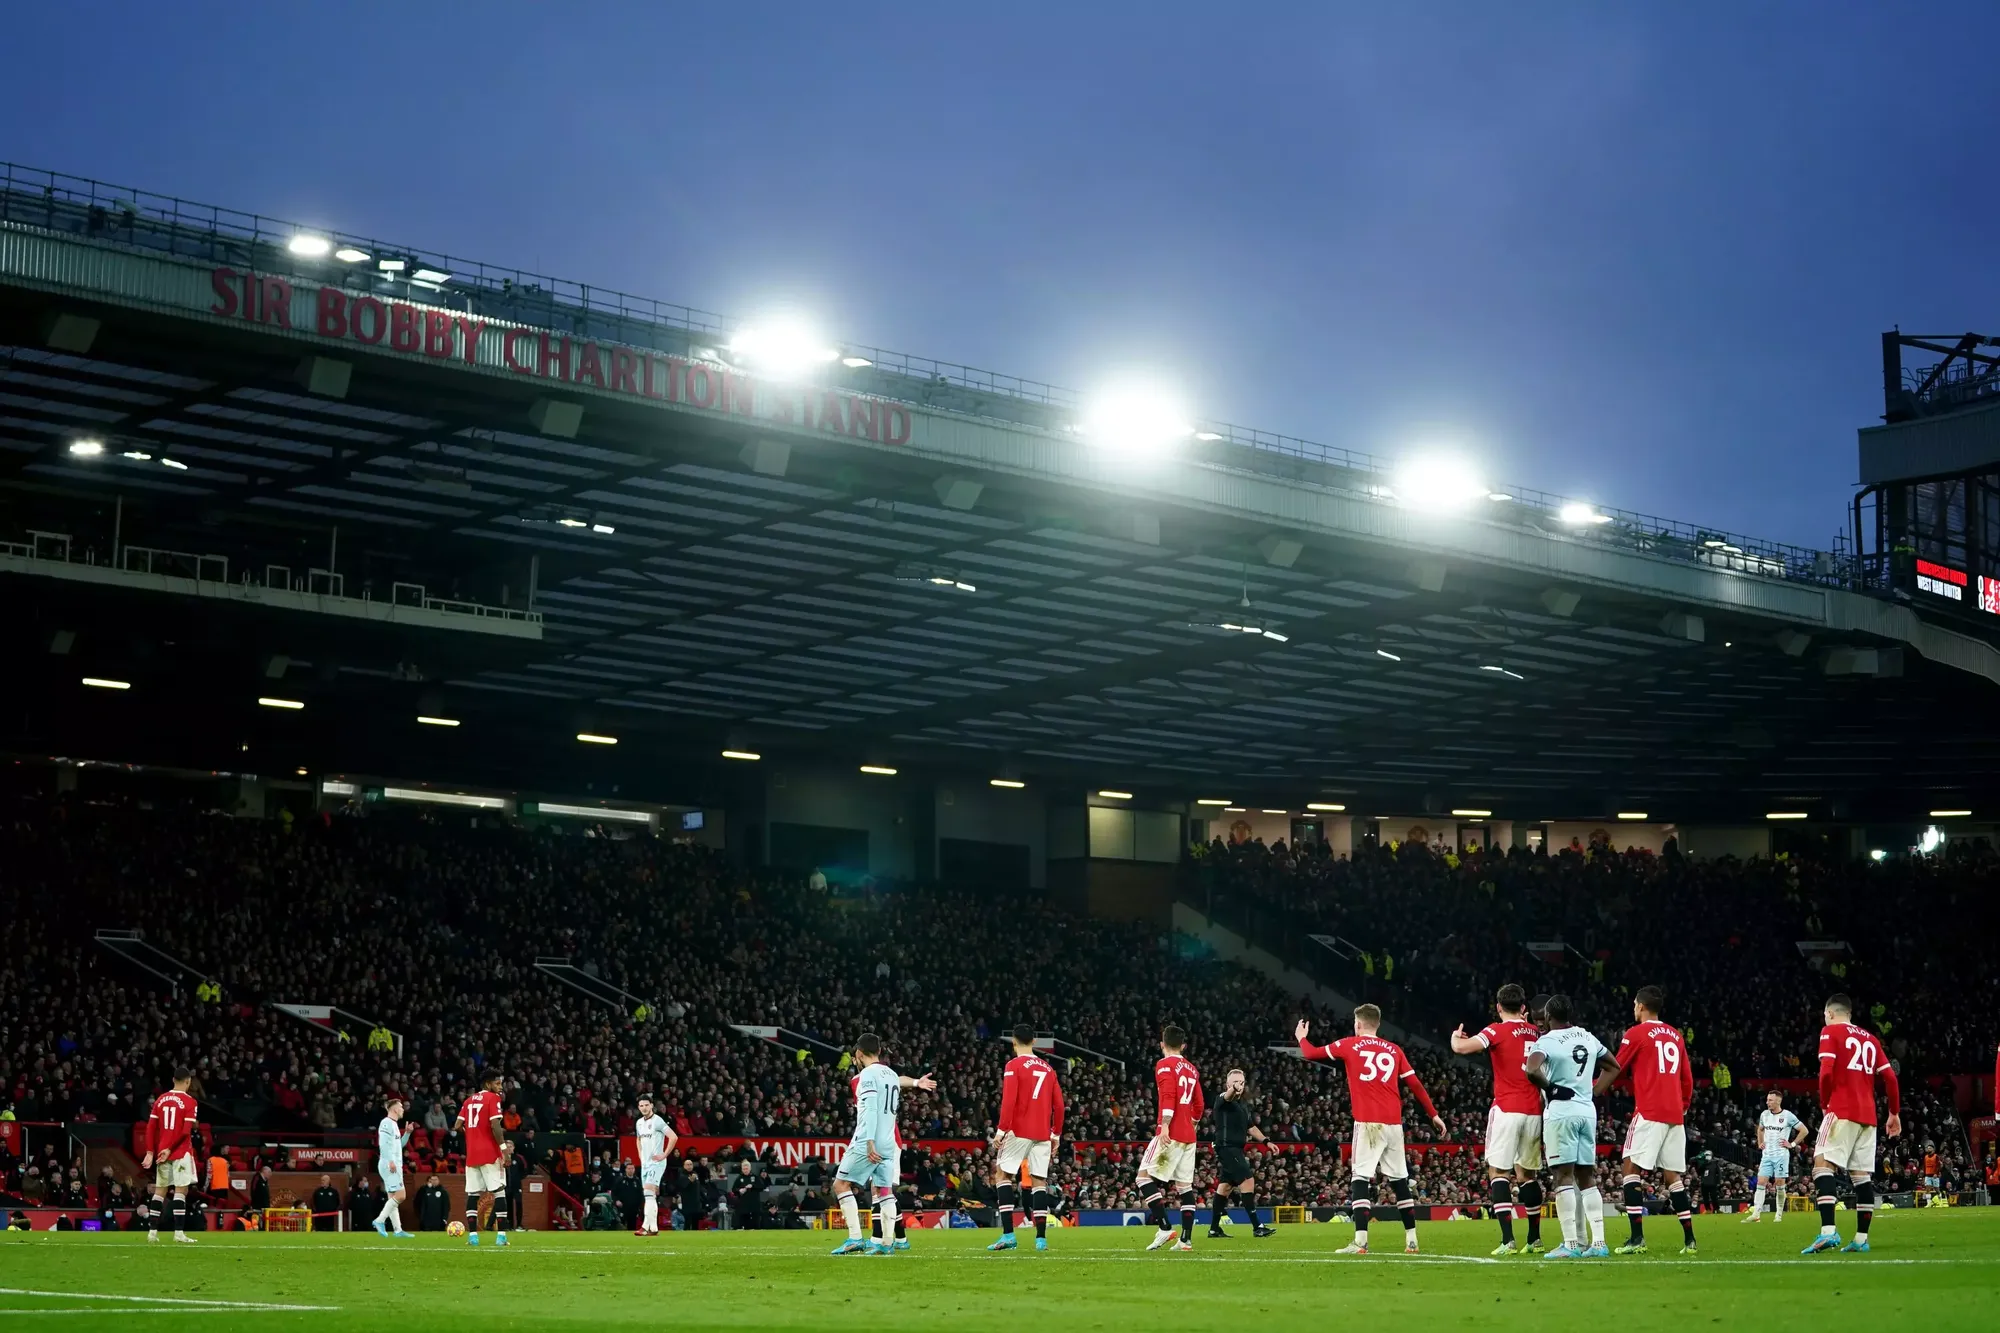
<point x="1778" y="1133"/>
<point x="390" y="1136"/>
<point x="656" y="1141"/>
<point x="1562" y="1062"/>
<point x="873" y="1158"/>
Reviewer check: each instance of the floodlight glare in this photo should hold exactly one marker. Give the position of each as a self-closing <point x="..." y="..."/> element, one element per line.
<point x="783" y="348"/>
<point x="86" y="448"/>
<point x="855" y="362"/>
<point x="604" y="528"/>
<point x="138" y="456"/>
<point x="1324" y="805"/>
<point x="430" y="721"/>
<point x="879" y="770"/>
<point x="311" y="247"/>
<point x="174" y="463"/>
<point x="592" y="738"/>
<point x="393" y="265"/>
<point x="1011" y="784"/>
<point x="1440" y="484"/>
<point x="1134" y="420"/>
<point x="1116" y="795"/>
<point x="1207" y="436"/>
<point x="1579" y="515"/>
<point x="431" y="275"/>
<point x="572" y="522"/>
<point x="347" y="254"/>
<point x="747" y="756"/>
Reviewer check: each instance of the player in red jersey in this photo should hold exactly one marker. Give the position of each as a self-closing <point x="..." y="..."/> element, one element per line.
<point x="486" y="1154"/>
<point x="1031" y="1121"/>
<point x="1850" y="1060"/>
<point x="1514" y="1121"/>
<point x="1377" y="1069"/>
<point x="1169" y="1159"/>
<point x="170" y="1154"/>
<point x="1655" y="1055"/>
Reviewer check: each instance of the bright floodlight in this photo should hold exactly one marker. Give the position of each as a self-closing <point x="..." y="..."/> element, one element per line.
<point x="348" y="254"/>
<point x="311" y="247"/>
<point x="1135" y="420"/>
<point x="604" y="528"/>
<point x="86" y="448"/>
<point x="1439" y="484"/>
<point x="783" y="348"/>
<point x="1581" y="515"/>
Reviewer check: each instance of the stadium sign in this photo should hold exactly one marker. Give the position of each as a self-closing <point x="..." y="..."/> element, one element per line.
<point x="1940" y="580"/>
<point x="339" y="315"/>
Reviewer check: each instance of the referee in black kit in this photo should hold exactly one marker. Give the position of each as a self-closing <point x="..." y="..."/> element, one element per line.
<point x="1235" y="1126"/>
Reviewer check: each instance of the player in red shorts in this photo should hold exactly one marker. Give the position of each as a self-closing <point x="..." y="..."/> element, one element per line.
<point x="1850" y="1061"/>
<point x="170" y="1154"/>
<point x="1377" y="1069"/>
<point x="1655" y="1055"/>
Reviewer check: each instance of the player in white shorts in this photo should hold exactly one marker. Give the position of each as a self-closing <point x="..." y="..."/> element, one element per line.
<point x="390" y="1136"/>
<point x="1778" y="1132"/>
<point x="657" y="1141"/>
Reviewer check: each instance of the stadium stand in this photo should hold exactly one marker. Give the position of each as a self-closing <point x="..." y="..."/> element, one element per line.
<point x="434" y="925"/>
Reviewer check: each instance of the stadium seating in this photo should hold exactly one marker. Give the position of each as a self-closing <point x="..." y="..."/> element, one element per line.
<point x="431" y="929"/>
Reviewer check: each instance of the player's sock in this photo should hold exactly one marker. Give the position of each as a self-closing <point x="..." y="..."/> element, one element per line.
<point x="1635" y="1208"/>
<point x="1593" y="1213"/>
<point x="902" y="1225"/>
<point x="177" y="1210"/>
<point x="1530" y="1204"/>
<point x="1155" y="1199"/>
<point x="1248" y="1198"/>
<point x="500" y="1213"/>
<point x="1038" y="1208"/>
<point x="388" y="1206"/>
<point x="1827" y="1200"/>
<point x="1187" y="1215"/>
<point x="1684" y="1210"/>
<point x="157" y="1213"/>
<point x="471" y="1214"/>
<point x="1503" y="1208"/>
<point x="1864" y="1205"/>
<point x="885" y="1214"/>
<point x="1363" y="1205"/>
<point x="1757" y="1201"/>
<point x="1406" y="1204"/>
<point x="1568" y="1206"/>
<point x="1218" y="1208"/>
<point x="652" y="1222"/>
<point x="1006" y="1206"/>
<point x="850" y="1211"/>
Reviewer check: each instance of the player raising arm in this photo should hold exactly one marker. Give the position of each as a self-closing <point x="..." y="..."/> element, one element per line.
<point x="1031" y="1121"/>
<point x="1377" y="1070"/>
<point x="390" y="1137"/>
<point x="1514" y="1121"/>
<point x="1778" y="1133"/>
<point x="1235" y="1128"/>
<point x="1850" y="1060"/>
<point x="1656" y="1058"/>
<point x="1169" y="1158"/>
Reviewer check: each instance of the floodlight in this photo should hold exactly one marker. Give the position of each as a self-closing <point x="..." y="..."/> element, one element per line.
<point x="1931" y="839"/>
<point x="86" y="448"/>
<point x="855" y="362"/>
<point x="1207" y="436"/>
<point x="437" y="721"/>
<point x="101" y="683"/>
<point x="1134" y="420"/>
<point x="782" y="348"/>
<point x="392" y="265"/>
<point x="1011" y="784"/>
<point x="292" y="704"/>
<point x="748" y="756"/>
<point x="138" y="456"/>
<point x="174" y="463"/>
<point x="347" y="254"/>
<point x="1877" y="854"/>
<point x="309" y="246"/>
<point x="605" y="528"/>
<point x="572" y="522"/>
<point x="1580" y="515"/>
<point x="1438" y="484"/>
<point x="424" y="273"/>
<point x="592" y="738"/>
<point x="1951" y="814"/>
<point x="879" y="770"/>
<point x="1116" y="795"/>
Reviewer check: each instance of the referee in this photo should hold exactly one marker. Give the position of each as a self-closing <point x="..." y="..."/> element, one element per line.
<point x="1235" y="1126"/>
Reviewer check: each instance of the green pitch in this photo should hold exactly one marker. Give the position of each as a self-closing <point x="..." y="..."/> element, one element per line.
<point x="1933" y="1269"/>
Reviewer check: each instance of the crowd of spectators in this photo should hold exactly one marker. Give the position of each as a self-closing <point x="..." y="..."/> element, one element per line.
<point x="430" y="930"/>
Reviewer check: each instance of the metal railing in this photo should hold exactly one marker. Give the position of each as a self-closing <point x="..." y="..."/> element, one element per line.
<point x="160" y="223"/>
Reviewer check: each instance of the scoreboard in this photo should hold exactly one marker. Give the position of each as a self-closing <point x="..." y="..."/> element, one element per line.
<point x="1979" y="593"/>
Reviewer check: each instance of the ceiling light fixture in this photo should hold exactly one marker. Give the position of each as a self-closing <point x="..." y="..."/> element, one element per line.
<point x="347" y="254"/>
<point x="1786" y="814"/>
<point x="437" y="721"/>
<point x="1324" y="805"/>
<point x="174" y="463"/>
<point x="268" y="701"/>
<point x="1472" y="814"/>
<point x="1631" y="814"/>
<point x="879" y="770"/>
<point x="1116" y="795"/>
<point x="1212" y="800"/>
<point x="1384" y="652"/>
<point x="605" y="528"/>
<point x="748" y="756"/>
<point x="1951" y="814"/>
<point x="1011" y="784"/>
<point x="102" y="683"/>
<point x="138" y="456"/>
<point x="593" y="738"/>
<point x="86" y="448"/>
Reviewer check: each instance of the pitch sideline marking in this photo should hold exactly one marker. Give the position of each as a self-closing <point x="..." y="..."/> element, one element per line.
<point x="188" y="1302"/>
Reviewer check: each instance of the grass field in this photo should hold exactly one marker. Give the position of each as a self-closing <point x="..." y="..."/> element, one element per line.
<point x="1934" y="1269"/>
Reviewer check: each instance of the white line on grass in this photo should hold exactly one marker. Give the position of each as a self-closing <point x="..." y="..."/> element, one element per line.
<point x="176" y="1301"/>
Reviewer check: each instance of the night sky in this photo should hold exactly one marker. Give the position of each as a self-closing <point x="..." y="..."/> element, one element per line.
<point x="1636" y="254"/>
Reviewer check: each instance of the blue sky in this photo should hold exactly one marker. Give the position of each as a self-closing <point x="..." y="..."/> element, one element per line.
<point x="1635" y="254"/>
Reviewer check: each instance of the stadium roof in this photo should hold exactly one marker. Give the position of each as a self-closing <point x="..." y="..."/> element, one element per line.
<point x="982" y="594"/>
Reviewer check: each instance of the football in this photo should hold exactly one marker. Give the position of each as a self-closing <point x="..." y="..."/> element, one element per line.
<point x="455" y="1229"/>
